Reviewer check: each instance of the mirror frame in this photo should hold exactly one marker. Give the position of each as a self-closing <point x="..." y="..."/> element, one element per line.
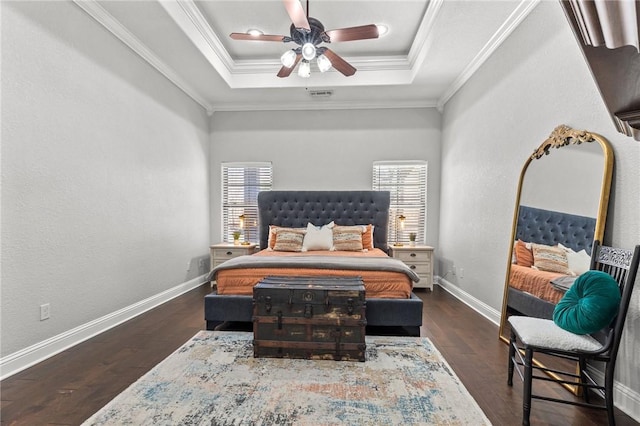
<point x="561" y="136"/>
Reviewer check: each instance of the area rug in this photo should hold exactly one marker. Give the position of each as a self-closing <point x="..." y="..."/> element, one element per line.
<point x="214" y="379"/>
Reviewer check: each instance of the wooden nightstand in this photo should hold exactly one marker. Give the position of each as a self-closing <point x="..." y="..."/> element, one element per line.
<point x="221" y="252"/>
<point x="418" y="258"/>
<point x="225" y="251"/>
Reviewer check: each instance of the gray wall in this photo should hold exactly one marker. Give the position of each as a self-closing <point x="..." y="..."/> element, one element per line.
<point x="327" y="150"/>
<point x="536" y="80"/>
<point x="105" y="192"/>
<point x="111" y="177"/>
<point x="566" y="180"/>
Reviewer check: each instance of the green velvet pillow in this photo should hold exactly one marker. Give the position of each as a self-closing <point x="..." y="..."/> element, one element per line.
<point x="589" y="305"/>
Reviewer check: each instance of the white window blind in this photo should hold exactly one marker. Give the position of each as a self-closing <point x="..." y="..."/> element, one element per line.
<point x="407" y="183"/>
<point x="241" y="183"/>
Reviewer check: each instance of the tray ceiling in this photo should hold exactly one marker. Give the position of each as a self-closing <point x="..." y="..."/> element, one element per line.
<point x="431" y="48"/>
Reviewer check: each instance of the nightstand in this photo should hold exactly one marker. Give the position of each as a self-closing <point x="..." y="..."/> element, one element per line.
<point x="225" y="251"/>
<point x="419" y="259"/>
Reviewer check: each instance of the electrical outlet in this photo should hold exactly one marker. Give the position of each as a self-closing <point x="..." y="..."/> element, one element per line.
<point x="454" y="269"/>
<point x="45" y="311"/>
<point x="461" y="273"/>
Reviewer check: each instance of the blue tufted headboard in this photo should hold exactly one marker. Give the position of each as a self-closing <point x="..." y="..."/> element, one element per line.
<point x="297" y="208"/>
<point x="550" y="227"/>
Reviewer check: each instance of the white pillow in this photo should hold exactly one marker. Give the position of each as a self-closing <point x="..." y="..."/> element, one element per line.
<point x="579" y="262"/>
<point x="318" y="238"/>
<point x="567" y="249"/>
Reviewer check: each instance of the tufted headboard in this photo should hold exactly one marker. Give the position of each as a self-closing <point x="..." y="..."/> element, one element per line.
<point x="297" y="208"/>
<point x="550" y="227"/>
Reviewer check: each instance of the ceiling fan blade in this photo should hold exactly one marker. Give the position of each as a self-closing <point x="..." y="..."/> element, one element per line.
<point x="340" y="64"/>
<point x="261" y="37"/>
<point x="296" y="13"/>
<point x="353" y="33"/>
<point x="286" y="72"/>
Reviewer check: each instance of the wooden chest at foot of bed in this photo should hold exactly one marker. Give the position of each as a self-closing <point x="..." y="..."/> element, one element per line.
<point x="310" y="318"/>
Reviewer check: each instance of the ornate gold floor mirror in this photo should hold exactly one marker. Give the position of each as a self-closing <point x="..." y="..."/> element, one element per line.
<point x="562" y="197"/>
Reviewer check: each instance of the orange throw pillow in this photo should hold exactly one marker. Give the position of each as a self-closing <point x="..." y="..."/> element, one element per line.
<point x="524" y="256"/>
<point x="367" y="238"/>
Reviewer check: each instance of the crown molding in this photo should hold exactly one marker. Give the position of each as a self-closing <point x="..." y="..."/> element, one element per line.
<point x="323" y="104"/>
<point x="422" y="42"/>
<point x="628" y="123"/>
<point x="97" y="12"/>
<point x="197" y="29"/>
<point x="190" y="20"/>
<point x="517" y="16"/>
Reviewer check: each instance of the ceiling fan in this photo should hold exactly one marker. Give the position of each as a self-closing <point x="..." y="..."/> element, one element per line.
<point x="309" y="33"/>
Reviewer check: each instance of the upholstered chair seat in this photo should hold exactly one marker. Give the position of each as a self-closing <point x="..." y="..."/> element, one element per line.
<point x="544" y="333"/>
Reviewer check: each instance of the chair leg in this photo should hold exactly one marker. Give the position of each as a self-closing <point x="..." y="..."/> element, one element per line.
<point x="512" y="354"/>
<point x="582" y="365"/>
<point x="526" y="390"/>
<point x="608" y="396"/>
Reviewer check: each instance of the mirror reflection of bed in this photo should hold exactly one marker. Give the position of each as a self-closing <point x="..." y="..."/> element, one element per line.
<point x="561" y="208"/>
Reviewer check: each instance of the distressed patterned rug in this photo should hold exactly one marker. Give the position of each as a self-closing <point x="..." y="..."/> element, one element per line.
<point x="214" y="379"/>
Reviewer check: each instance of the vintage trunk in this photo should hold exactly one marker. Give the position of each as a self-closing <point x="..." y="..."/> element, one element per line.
<point x="309" y="317"/>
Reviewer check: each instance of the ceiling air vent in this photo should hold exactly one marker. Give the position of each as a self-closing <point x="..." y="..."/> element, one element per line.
<point x="320" y="93"/>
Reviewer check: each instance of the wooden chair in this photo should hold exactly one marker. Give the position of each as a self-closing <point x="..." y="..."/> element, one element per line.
<point x="531" y="336"/>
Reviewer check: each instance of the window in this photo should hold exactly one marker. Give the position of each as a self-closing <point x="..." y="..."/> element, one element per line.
<point x="407" y="182"/>
<point x="241" y="183"/>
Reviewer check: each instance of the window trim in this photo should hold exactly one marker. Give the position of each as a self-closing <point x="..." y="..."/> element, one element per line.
<point x="412" y="224"/>
<point x="250" y="230"/>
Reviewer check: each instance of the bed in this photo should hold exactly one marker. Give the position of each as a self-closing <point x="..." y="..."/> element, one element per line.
<point x="391" y="304"/>
<point x="532" y="292"/>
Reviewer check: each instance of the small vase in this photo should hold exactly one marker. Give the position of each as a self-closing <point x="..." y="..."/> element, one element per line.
<point x="412" y="243"/>
<point x="236" y="241"/>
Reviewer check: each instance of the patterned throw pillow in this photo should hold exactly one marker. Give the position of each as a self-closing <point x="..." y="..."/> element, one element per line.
<point x="347" y="240"/>
<point x="288" y="240"/>
<point x="367" y="233"/>
<point x="551" y="259"/>
<point x="273" y="229"/>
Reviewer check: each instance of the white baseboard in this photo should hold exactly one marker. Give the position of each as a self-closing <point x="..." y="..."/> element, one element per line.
<point x="25" y="358"/>
<point x="625" y="399"/>
<point x="477" y="305"/>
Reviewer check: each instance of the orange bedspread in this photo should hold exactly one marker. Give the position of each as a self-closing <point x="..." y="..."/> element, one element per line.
<point x="378" y="284"/>
<point x="535" y="282"/>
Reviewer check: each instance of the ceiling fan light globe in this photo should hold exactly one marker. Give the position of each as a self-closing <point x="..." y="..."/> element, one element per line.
<point x="382" y="29"/>
<point x="304" y="70"/>
<point x="288" y="58"/>
<point x="308" y="51"/>
<point x="324" y="64"/>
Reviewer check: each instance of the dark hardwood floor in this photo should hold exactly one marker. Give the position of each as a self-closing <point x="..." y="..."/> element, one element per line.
<point x="68" y="388"/>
